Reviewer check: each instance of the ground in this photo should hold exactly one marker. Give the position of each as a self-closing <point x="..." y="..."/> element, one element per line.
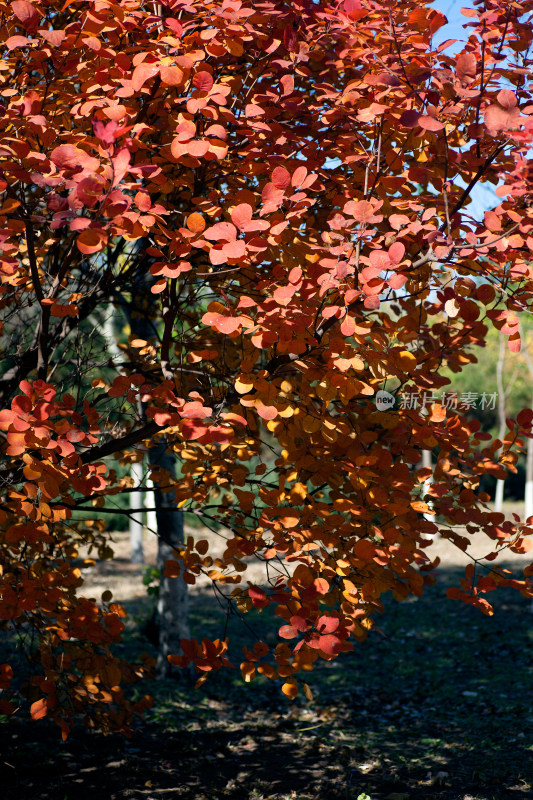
<point x="438" y="705"/>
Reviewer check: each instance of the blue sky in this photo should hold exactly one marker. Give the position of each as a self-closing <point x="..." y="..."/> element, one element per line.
<point x="454" y="30"/>
<point x="484" y="197"/>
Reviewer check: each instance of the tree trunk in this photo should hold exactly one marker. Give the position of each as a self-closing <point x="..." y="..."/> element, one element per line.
<point x="529" y="478"/>
<point x="173" y="600"/>
<point x="426" y="463"/>
<point x="136" y="498"/>
<point x="172" y="621"/>
<point x="500" y="484"/>
<point x="528" y="494"/>
<point x="136" y="520"/>
<point x="151" y="516"/>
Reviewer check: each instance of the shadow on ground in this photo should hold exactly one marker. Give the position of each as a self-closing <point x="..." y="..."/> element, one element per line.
<point x="439" y="706"/>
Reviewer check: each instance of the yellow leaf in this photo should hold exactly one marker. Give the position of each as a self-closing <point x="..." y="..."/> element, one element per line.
<point x="298" y="492"/>
<point x="244" y="384"/>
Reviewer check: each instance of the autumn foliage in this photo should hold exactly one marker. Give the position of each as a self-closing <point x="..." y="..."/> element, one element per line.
<point x="293" y="181"/>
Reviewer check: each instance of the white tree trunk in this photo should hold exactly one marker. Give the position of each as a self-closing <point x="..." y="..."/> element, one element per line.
<point x="529" y="478"/>
<point x="498" y="497"/>
<point x="426" y="463"/>
<point x="528" y="495"/>
<point x="110" y="335"/>
<point x="173" y="600"/>
<point x="500" y="484"/>
<point x="136" y="498"/>
<point x="136" y="519"/>
<point x="150" y="517"/>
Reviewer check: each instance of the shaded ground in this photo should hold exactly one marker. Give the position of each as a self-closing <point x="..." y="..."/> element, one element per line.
<point x="439" y="706"/>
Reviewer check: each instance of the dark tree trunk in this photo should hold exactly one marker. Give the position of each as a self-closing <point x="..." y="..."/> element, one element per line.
<point x="172" y="617"/>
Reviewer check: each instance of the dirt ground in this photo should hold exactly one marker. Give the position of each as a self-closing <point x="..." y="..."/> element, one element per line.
<point x="436" y="706"/>
<point x="125" y="580"/>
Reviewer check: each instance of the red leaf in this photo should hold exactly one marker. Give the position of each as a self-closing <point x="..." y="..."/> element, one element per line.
<point x="368" y="273"/>
<point x="217" y="131"/>
<point x="430" y="123"/>
<point x="524" y="418"/>
<point x="241" y="215"/>
<point x="298" y="176"/>
<point x="287" y="85"/>
<point x="281" y="178"/>
<point x="321" y="585"/>
<point x="197" y="148"/>
<point x="438" y="413"/>
<point x="258" y="597"/>
<point x="67" y="156"/>
<point x="364" y="549"/>
<point x="203" y="81"/>
<point x="507" y="99"/>
<point x="299" y="623"/>
<point x="493" y="221"/>
<point x="379" y="258"/>
<point x="222" y="231"/>
<point x="354" y="10"/>
<point x="174" y="25"/>
<point x="397" y="281"/>
<point x="54" y="38"/>
<point x="217" y="256"/>
<point x="289" y="38"/>
<point x="502" y="117"/>
<point x="454" y="593"/>
<point x="396" y="252"/>
<point x="288" y="632"/>
<point x="362" y="210"/>
<point x="172" y="76"/>
<point x="106" y="133"/>
<point x="329" y="644"/>
<point x="191" y="429"/>
<point x="266" y="412"/>
<point x="227" y="324"/>
<point x="272" y="196"/>
<point x="466" y="66"/>
<point x="27" y="14"/>
<point x="409" y="119"/>
<point x="326" y="624"/>
<point x="235" y="249"/>
<point x="120" y="164"/>
<point x="17" y="41"/>
<point x="397" y="221"/>
<point x="141" y="74"/>
<point x="253" y="110"/>
<point x="284" y="294"/>
<point x="514" y="343"/>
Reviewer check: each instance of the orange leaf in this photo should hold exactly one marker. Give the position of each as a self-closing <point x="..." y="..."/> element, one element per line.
<point x="196" y="222"/>
<point x="39" y="709"/>
<point x="438" y="412"/>
<point x="290" y="689"/>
